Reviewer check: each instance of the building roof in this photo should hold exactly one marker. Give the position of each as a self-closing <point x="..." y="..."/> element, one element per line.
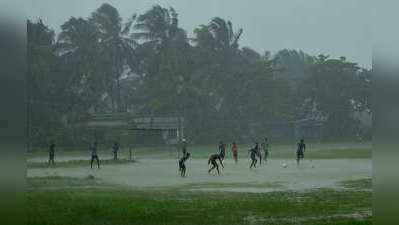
<point x="156" y="122"/>
<point x="131" y="121"/>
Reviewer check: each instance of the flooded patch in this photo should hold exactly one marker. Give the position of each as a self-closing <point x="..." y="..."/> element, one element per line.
<point x="163" y="173"/>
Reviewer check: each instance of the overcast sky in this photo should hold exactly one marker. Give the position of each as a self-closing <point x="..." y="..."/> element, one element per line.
<point x="333" y="27"/>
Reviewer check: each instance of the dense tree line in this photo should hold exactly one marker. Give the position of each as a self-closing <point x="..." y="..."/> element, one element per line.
<point x="148" y="64"/>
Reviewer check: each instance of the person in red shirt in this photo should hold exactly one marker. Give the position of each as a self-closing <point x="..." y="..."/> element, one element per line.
<point x="234" y="149"/>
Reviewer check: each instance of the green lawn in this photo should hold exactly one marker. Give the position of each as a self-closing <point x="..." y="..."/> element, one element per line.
<point x="314" y="151"/>
<point x="90" y="202"/>
<point x="74" y="163"/>
<point x="362" y="183"/>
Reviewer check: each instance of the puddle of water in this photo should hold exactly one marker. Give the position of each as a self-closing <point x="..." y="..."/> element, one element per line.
<point x="324" y="173"/>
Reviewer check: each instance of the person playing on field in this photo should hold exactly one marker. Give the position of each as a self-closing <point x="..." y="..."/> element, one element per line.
<point x="184" y="147"/>
<point x="222" y="150"/>
<point x="94" y="155"/>
<point x="234" y="149"/>
<point x="258" y="153"/>
<point x="212" y="159"/>
<point x="51" y="153"/>
<point x="182" y="166"/>
<point x="265" y="147"/>
<point x="253" y="155"/>
<point x="300" y="150"/>
<point x="115" y="149"/>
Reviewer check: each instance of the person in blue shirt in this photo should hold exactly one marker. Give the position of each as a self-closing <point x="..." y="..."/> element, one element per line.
<point x="222" y="150"/>
<point x="253" y="153"/>
<point x="115" y="149"/>
<point x="300" y="151"/>
<point x="93" y="149"/>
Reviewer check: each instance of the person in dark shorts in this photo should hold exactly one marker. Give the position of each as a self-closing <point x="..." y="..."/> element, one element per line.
<point x="184" y="147"/>
<point x="182" y="166"/>
<point x="253" y="153"/>
<point x="93" y="149"/>
<point x="265" y="147"/>
<point x="257" y="152"/>
<point x="115" y="149"/>
<point x="234" y="149"/>
<point x="212" y="160"/>
<point x="300" y="151"/>
<point x="222" y="150"/>
<point x="51" y="153"/>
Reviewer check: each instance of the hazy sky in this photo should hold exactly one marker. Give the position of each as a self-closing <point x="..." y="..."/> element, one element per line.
<point x="333" y="27"/>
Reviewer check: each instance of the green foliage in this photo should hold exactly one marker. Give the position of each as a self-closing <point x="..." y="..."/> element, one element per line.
<point x="147" y="64"/>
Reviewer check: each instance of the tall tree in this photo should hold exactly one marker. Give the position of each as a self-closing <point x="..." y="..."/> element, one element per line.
<point x="79" y="49"/>
<point x="116" y="47"/>
<point x="167" y="57"/>
<point x="336" y="87"/>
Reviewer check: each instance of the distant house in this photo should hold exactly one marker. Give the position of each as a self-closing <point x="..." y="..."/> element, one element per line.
<point x="135" y="129"/>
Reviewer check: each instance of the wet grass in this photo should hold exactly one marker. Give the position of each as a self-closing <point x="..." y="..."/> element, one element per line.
<point x="87" y="206"/>
<point x="359" y="184"/>
<point x="314" y="151"/>
<point x="77" y="163"/>
<point x="37" y="183"/>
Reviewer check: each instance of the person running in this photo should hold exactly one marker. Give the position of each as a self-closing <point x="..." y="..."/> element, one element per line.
<point x="265" y="147"/>
<point x="212" y="159"/>
<point x="222" y="150"/>
<point x="258" y="153"/>
<point x="115" y="149"/>
<point x="182" y="166"/>
<point x="184" y="147"/>
<point x="51" y="153"/>
<point x="94" y="155"/>
<point x="234" y="149"/>
<point x="253" y="155"/>
<point x="300" y="151"/>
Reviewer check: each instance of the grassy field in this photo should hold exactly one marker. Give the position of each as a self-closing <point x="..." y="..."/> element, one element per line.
<point x="51" y="200"/>
<point x="73" y="163"/>
<point x="314" y="151"/>
<point x="75" y="194"/>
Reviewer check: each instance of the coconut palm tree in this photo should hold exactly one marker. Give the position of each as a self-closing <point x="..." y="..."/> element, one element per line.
<point x="115" y="46"/>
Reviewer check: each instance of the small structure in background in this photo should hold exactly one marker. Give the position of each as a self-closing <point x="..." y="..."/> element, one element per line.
<point x="134" y="129"/>
<point x="169" y="129"/>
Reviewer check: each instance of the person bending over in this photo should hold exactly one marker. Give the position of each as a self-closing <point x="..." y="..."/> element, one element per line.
<point x="212" y="160"/>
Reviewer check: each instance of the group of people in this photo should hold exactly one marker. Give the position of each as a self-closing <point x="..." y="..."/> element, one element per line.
<point x="254" y="154"/>
<point x="94" y="156"/>
<point x="93" y="153"/>
<point x="220" y="155"/>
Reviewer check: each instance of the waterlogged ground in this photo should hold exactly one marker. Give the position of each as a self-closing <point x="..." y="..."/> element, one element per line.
<point x="332" y="186"/>
<point x="325" y="167"/>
